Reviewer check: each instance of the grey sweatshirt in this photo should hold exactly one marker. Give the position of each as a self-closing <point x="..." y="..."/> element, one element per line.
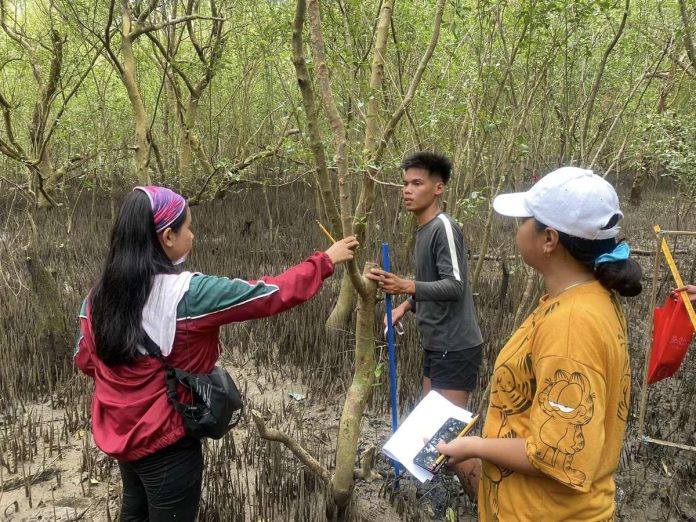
<point x="443" y="304"/>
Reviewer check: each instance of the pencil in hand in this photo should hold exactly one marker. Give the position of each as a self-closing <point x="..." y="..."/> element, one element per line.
<point x="326" y="232"/>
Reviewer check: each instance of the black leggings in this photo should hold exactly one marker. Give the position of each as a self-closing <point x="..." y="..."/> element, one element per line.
<point x="163" y="486"/>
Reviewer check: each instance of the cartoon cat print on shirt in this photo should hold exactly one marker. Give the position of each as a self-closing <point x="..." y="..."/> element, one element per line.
<point x="511" y="394"/>
<point x="625" y="402"/>
<point x="495" y="475"/>
<point x="514" y="386"/>
<point x="569" y="402"/>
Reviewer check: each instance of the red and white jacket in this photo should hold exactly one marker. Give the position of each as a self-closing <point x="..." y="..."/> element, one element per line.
<point x="131" y="416"/>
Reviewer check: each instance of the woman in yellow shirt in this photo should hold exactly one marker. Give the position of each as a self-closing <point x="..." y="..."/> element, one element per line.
<point x="560" y="390"/>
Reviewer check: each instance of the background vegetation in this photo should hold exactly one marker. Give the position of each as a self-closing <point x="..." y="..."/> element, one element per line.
<point x="103" y="94"/>
<point x="202" y="96"/>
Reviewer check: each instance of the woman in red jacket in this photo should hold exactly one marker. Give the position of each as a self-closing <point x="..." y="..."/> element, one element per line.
<point x="141" y="291"/>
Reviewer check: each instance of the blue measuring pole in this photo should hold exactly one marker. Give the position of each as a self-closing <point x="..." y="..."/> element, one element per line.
<point x="392" y="359"/>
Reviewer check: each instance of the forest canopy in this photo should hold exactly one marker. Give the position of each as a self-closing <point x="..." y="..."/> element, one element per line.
<point x="202" y="94"/>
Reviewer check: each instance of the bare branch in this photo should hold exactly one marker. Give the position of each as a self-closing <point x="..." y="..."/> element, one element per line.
<point x="192" y="34"/>
<point x="646" y="74"/>
<point x="367" y="194"/>
<point x="107" y="37"/>
<point x="373" y="32"/>
<point x="40" y="184"/>
<point x="9" y="152"/>
<point x="77" y="161"/>
<point x="311" y="112"/>
<point x="329" y="105"/>
<point x="43" y="104"/>
<point x="76" y="87"/>
<point x="384" y="183"/>
<point x="142" y="30"/>
<point x="394" y="120"/>
<point x="19" y="38"/>
<point x="598" y="79"/>
<point x="170" y="60"/>
<point x="243" y="164"/>
<point x="302" y="454"/>
<point x="339" y="133"/>
<point x="688" y="38"/>
<point x="146" y="12"/>
<point x="18" y="151"/>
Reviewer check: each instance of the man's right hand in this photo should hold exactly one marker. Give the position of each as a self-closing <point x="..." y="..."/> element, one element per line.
<point x="390" y="283"/>
<point x="398" y="313"/>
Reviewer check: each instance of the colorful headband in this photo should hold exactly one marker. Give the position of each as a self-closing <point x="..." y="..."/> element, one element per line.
<point x="166" y="205"/>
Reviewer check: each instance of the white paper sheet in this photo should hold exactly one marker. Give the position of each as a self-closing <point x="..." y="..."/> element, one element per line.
<point x="424" y="421"/>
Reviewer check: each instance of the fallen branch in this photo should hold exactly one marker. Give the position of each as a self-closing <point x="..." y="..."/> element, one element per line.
<point x="302" y="454"/>
<point x="36" y="478"/>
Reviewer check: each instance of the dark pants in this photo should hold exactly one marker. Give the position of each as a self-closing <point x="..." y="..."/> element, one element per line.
<point x="163" y="486"/>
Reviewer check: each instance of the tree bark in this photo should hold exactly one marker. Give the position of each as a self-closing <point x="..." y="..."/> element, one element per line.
<point x="312" y="114"/>
<point x="185" y="148"/>
<point x="43" y="165"/>
<point x="336" y="122"/>
<point x="340" y="316"/>
<point x="45" y="188"/>
<point x="345" y="304"/>
<point x="688" y="37"/>
<point x="128" y="77"/>
<point x="367" y="194"/>
<point x="357" y="396"/>
<point x="210" y="63"/>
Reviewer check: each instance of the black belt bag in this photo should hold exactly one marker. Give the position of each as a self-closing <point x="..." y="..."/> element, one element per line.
<point x="216" y="405"/>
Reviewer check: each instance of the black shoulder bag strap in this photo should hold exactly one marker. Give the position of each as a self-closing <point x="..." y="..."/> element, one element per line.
<point x="169" y="372"/>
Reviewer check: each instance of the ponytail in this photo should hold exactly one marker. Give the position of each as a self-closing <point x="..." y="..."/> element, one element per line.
<point x="623" y="276"/>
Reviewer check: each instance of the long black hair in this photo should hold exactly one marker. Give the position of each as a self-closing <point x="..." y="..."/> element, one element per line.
<point x="119" y="295"/>
<point x="622" y="276"/>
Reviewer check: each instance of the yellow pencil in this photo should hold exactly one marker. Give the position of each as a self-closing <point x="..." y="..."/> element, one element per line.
<point x="464" y="431"/>
<point x="323" y="229"/>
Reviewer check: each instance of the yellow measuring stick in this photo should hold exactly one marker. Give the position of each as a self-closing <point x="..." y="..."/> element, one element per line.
<point x="675" y="273"/>
<point x="464" y="431"/>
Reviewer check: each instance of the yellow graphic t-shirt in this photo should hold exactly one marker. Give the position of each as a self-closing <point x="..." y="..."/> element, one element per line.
<point x="562" y="382"/>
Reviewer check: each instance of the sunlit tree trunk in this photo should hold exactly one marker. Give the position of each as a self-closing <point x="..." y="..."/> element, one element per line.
<point x="348" y="220"/>
<point x="357" y="396"/>
<point x="128" y="76"/>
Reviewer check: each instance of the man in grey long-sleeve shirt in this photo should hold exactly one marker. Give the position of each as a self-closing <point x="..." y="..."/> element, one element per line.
<point x="440" y="294"/>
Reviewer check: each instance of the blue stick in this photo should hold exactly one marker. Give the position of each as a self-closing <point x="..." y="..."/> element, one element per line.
<point x="392" y="359"/>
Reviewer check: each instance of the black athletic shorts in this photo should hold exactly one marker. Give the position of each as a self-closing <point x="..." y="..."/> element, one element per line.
<point x="452" y="370"/>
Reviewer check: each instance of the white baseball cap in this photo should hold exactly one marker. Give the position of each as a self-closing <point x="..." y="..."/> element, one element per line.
<point x="571" y="200"/>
